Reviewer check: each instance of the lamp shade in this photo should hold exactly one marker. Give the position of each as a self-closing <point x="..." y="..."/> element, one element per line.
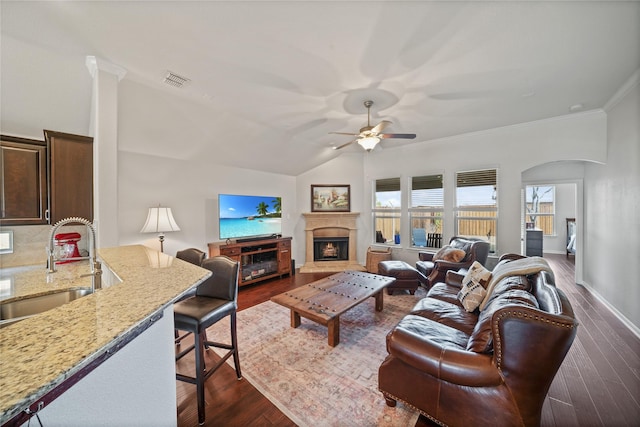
<point x="159" y="220"/>
<point x="369" y="143"/>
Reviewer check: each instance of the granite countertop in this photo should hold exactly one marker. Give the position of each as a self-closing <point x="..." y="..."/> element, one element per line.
<point x="39" y="353"/>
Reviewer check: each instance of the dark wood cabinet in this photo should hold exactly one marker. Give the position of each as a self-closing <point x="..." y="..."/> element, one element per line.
<point x="23" y="181"/>
<point x="70" y="175"/>
<point x="259" y="259"/>
<point x="534" y="242"/>
<point x="43" y="182"/>
<point x="284" y="256"/>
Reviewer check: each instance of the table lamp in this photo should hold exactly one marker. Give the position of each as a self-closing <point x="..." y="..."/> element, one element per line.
<point x="160" y="220"/>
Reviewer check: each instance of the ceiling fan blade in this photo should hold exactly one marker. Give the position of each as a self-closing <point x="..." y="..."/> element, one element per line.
<point x="380" y="126"/>
<point x="397" y="135"/>
<point x="344" y="145"/>
<point x="345" y="133"/>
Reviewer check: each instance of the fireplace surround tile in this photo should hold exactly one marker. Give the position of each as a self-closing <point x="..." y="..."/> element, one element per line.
<point x="326" y="225"/>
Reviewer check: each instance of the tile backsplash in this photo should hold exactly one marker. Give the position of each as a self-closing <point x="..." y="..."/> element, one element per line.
<point x="30" y="242"/>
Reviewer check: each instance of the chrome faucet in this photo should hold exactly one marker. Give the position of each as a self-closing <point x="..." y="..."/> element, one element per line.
<point x="94" y="264"/>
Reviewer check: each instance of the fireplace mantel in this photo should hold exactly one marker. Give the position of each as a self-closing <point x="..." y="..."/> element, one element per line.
<point x="329" y="224"/>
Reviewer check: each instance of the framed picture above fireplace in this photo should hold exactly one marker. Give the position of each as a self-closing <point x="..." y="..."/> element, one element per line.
<point x="330" y="198"/>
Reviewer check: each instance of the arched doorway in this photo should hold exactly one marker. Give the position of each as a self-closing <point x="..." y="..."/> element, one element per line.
<point x="566" y="177"/>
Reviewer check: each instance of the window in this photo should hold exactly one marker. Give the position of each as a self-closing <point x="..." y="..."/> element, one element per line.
<point x="386" y="210"/>
<point x="541" y="208"/>
<point x="426" y="211"/>
<point x="476" y="205"/>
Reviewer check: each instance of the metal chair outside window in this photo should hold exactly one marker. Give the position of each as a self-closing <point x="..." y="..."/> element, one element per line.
<point x="419" y="237"/>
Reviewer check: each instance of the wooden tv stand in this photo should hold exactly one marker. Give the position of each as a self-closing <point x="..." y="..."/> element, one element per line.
<point x="259" y="259"/>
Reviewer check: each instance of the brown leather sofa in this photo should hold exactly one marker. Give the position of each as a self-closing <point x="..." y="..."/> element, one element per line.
<point x="490" y="367"/>
<point x="435" y="270"/>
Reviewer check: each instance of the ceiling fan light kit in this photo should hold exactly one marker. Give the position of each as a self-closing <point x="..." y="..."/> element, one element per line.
<point x="369" y="143"/>
<point x="370" y="136"/>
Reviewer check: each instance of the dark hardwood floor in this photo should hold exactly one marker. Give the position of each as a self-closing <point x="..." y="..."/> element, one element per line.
<point x="597" y="385"/>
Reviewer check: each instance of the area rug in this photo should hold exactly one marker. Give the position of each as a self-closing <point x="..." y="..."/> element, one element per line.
<point x="309" y="381"/>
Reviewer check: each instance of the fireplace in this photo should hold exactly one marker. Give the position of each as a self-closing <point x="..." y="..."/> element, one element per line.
<point x="331" y="242"/>
<point x="330" y="248"/>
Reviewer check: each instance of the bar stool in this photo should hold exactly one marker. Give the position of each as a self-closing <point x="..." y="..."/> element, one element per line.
<point x="195" y="257"/>
<point x="192" y="255"/>
<point x="215" y="299"/>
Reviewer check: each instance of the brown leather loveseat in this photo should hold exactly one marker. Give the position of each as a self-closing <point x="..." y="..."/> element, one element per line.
<point x="491" y="366"/>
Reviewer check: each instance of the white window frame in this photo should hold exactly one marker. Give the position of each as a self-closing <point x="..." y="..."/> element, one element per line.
<point x="484" y="177"/>
<point x="382" y="213"/>
<point x="552" y="214"/>
<point x="417" y="213"/>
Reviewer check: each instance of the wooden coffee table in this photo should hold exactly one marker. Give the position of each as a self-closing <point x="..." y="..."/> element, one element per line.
<point x="324" y="300"/>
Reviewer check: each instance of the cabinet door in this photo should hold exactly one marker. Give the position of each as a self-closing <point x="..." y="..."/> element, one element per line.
<point x="232" y="252"/>
<point x="23" y="181"/>
<point x="284" y="257"/>
<point x="70" y="175"/>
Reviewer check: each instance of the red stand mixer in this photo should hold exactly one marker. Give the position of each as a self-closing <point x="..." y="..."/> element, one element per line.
<point x="67" y="246"/>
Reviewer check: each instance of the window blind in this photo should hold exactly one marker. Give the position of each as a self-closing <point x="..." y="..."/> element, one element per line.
<point x="389" y="184"/>
<point x="476" y="188"/>
<point x="427" y="191"/>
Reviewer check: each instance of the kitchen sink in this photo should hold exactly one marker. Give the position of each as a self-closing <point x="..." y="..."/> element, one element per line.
<point x="14" y="311"/>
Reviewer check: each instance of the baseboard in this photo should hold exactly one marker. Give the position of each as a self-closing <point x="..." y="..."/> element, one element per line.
<point x="625" y="321"/>
<point x="552" y="251"/>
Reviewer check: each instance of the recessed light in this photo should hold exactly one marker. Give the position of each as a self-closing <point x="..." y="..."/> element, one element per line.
<point x="576" y="107"/>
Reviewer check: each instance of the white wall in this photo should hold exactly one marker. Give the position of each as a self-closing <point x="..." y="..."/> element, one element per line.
<point x="612" y="206"/>
<point x="346" y="169"/>
<point x="191" y="189"/>
<point x="42" y="89"/>
<point x="177" y="177"/>
<point x="511" y="150"/>
<point x="565" y="208"/>
<point x="146" y="180"/>
<point x="190" y="184"/>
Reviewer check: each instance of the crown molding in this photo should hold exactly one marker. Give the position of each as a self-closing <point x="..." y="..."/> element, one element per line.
<point x="94" y="64"/>
<point x="623" y="91"/>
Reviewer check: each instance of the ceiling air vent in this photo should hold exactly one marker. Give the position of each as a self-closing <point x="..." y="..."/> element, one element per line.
<point x="175" y="80"/>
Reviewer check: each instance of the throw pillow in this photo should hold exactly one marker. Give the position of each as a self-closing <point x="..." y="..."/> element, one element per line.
<point x="471" y="295"/>
<point x="477" y="274"/>
<point x="447" y="253"/>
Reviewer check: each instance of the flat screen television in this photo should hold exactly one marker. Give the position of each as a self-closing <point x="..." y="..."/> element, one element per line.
<point x="243" y="216"/>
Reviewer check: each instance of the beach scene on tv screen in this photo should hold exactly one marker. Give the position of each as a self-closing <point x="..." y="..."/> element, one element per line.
<point x="242" y="216"/>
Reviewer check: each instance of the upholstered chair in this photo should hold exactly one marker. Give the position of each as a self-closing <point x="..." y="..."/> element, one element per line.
<point x="435" y="268"/>
<point x="192" y="255"/>
<point x="195" y="257"/>
<point x="215" y="299"/>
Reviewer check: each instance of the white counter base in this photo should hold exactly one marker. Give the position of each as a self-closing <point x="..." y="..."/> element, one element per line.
<point x="135" y="386"/>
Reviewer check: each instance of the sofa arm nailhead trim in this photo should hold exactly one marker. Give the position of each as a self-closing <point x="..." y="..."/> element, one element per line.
<point x="519" y="313"/>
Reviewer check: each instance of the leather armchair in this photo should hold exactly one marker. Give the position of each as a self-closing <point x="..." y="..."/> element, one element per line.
<point x="436" y="270"/>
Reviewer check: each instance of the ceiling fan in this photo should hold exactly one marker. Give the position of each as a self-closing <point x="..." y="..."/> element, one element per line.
<point x="369" y="136"/>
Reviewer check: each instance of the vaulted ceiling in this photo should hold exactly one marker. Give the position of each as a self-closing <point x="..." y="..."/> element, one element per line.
<point x="269" y="80"/>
